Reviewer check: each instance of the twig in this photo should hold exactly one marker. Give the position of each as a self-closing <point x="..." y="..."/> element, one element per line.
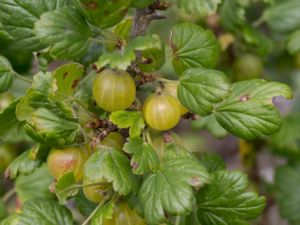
<point x="8" y="195"/>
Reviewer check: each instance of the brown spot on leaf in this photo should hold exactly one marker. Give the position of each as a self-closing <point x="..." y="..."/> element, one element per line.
<point x="91" y="5"/>
<point x="244" y="98"/>
<point x="196" y="181"/>
<point x="75" y="83"/>
<point x="134" y="165"/>
<point x="65" y="75"/>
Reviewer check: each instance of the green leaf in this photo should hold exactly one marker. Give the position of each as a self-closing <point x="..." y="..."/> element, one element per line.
<point x="142" y="3"/>
<point x="199" y="7"/>
<point x="144" y="157"/>
<point x="3" y="34"/>
<point x="65" y="187"/>
<point x="211" y="124"/>
<point x="283" y="16"/>
<point x="66" y="31"/>
<point x="123" y="58"/>
<point x="104" y="213"/>
<point x="224" y="201"/>
<point x="13" y="219"/>
<point x="43" y="212"/>
<point x="212" y="162"/>
<point x="114" y="167"/>
<point x="293" y="43"/>
<point x="129" y="119"/>
<point x="23" y="165"/>
<point x="65" y="80"/>
<point x="55" y="131"/>
<point x="10" y="126"/>
<point x="35" y="185"/>
<point x="84" y="206"/>
<point x="152" y="60"/>
<point x="123" y="29"/>
<point x="161" y="192"/>
<point x="287" y="182"/>
<point x="249" y="111"/>
<point x="287" y="141"/>
<point x="18" y="18"/>
<point x="200" y="89"/>
<point x="193" y="47"/>
<point x="6" y="74"/>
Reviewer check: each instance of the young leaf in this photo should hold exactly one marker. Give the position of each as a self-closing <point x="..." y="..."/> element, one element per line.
<point x="65" y="80"/>
<point x="200" y="89"/>
<point x="66" y="31"/>
<point x="129" y="119"/>
<point x="104" y="213"/>
<point x="144" y="157"/>
<point x="161" y="193"/>
<point x="6" y="74"/>
<point x="249" y="111"/>
<point x="283" y="16"/>
<point x="114" y="167"/>
<point x="65" y="187"/>
<point x="35" y="185"/>
<point x="193" y="47"/>
<point x="199" y="7"/>
<point x="287" y="140"/>
<point x="224" y="200"/>
<point x="287" y="182"/>
<point x="123" y="58"/>
<point x="23" y="164"/>
<point x="18" y="18"/>
<point x="43" y="212"/>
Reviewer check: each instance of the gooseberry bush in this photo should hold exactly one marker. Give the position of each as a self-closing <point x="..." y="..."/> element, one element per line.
<point x="108" y="81"/>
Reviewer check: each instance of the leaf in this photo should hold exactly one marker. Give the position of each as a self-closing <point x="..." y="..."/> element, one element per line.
<point x="65" y="80"/>
<point x="193" y="47"/>
<point x="35" y="185"/>
<point x="18" y="18"/>
<point x="123" y="58"/>
<point x="160" y="193"/>
<point x="13" y="219"/>
<point x="41" y="212"/>
<point x="283" y="16"/>
<point x="84" y="206"/>
<point x="211" y="124"/>
<point x="293" y="43"/>
<point x="65" y="187"/>
<point x="152" y="59"/>
<point x="144" y="157"/>
<point x="53" y="130"/>
<point x="199" y="7"/>
<point x="142" y="3"/>
<point x="129" y="119"/>
<point x="66" y="31"/>
<point x="23" y="164"/>
<point x="212" y="162"/>
<point x="3" y="34"/>
<point x="105" y="212"/>
<point x="6" y="74"/>
<point x="249" y="111"/>
<point x="200" y="89"/>
<point x="287" y="182"/>
<point x="10" y="126"/>
<point x="224" y="201"/>
<point x="123" y="29"/>
<point x="112" y="166"/>
<point x="287" y="141"/>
